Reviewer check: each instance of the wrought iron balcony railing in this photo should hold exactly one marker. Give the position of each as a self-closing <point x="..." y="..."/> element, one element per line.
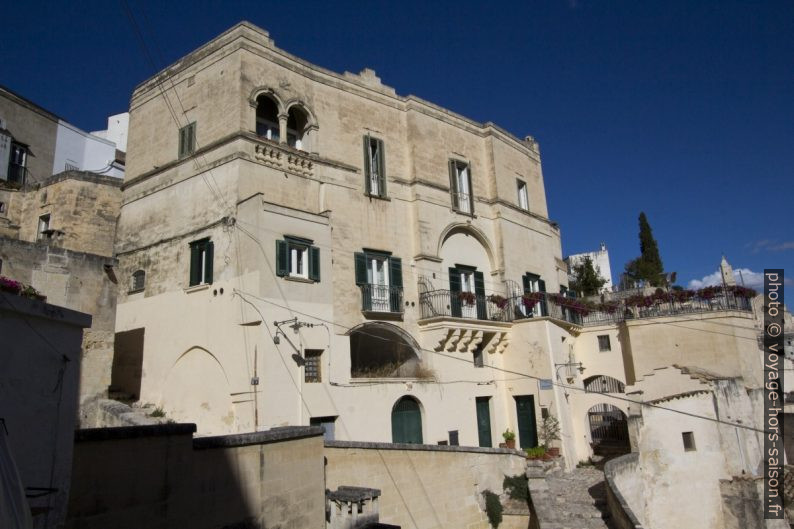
<point x="445" y="303"/>
<point x="381" y="298"/>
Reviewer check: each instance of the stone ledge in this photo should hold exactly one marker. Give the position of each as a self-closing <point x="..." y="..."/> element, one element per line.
<point x="274" y="435"/>
<point x="353" y="494"/>
<point x="133" y="432"/>
<point x="424" y="448"/>
<point x="618" y="507"/>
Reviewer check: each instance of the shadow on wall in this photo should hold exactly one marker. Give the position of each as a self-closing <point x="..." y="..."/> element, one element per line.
<point x="160" y="476"/>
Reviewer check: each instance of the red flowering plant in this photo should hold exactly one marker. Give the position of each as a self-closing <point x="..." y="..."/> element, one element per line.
<point x="9" y="285"/>
<point x="499" y="301"/>
<point x="708" y="292"/>
<point x="467" y="297"/>
<point x="530" y="299"/>
<point x="683" y="295"/>
<point x="639" y="301"/>
<point x="610" y="307"/>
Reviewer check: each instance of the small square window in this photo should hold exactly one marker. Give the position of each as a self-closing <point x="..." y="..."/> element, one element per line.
<point x="689" y="441"/>
<point x="603" y="343"/>
<point x="523" y="197"/>
<point x="312" y="369"/>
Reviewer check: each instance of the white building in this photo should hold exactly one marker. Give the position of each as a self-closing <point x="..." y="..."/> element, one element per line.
<point x="116" y="131"/>
<point x="600" y="259"/>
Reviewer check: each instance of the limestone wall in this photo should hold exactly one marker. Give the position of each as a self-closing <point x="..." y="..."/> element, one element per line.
<point x="160" y="477"/>
<point x="426" y="486"/>
<point x="624" y="492"/>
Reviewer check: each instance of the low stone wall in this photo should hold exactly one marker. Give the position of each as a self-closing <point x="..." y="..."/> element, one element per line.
<point x="427" y="485"/>
<point x="159" y="476"/>
<point x="623" y="482"/>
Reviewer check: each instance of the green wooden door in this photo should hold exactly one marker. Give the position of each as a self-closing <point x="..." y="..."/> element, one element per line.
<point x="527" y="427"/>
<point x="406" y="422"/>
<point x="484" y="421"/>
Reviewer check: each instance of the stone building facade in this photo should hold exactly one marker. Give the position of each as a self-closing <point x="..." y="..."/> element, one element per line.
<point x="58" y="222"/>
<point x="314" y="248"/>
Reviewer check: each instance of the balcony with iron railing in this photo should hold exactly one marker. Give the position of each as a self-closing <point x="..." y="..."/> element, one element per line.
<point x="381" y="300"/>
<point x="451" y="304"/>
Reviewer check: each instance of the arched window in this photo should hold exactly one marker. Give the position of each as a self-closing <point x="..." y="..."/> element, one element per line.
<point x="266" y="118"/>
<point x="406" y="421"/>
<point x="138" y="281"/>
<point x="603" y="384"/>
<point x="382" y="350"/>
<point x="297" y="121"/>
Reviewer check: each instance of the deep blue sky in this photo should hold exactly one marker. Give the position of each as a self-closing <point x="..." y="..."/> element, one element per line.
<point x="682" y="109"/>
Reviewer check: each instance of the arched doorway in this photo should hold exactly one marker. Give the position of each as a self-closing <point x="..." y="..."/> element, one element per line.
<point x="609" y="431"/>
<point x="406" y="421"/>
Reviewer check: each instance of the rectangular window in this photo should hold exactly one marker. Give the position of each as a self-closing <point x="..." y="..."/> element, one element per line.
<point x="460" y="187"/>
<point x="297" y="258"/>
<point x="312" y="370"/>
<point x="374" y="167"/>
<point x="603" y="343"/>
<point x="187" y="140"/>
<point x="380" y="277"/>
<point x="201" y="260"/>
<point x="689" y="441"/>
<point x="44" y="227"/>
<point x="523" y="198"/>
<point x="467" y="292"/>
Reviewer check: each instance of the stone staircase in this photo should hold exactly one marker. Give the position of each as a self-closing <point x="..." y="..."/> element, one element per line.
<point x="574" y="500"/>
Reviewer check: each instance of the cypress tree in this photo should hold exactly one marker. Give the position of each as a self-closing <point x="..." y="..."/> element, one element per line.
<point x="587" y="279"/>
<point x="649" y="265"/>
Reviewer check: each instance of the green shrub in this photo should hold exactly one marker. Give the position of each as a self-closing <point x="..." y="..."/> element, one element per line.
<point x="158" y="412"/>
<point x="493" y="508"/>
<point x="516" y="487"/>
<point x="538" y="451"/>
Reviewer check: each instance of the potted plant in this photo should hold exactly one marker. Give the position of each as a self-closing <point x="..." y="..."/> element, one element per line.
<point x="550" y="432"/>
<point x="31" y="293"/>
<point x="499" y="301"/>
<point x="510" y="438"/>
<point x="537" y="452"/>
<point x="467" y="297"/>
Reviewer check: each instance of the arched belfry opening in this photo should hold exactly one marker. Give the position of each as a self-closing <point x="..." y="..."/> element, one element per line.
<point x="267" y="118"/>
<point x="381" y="350"/>
<point x="297" y="127"/>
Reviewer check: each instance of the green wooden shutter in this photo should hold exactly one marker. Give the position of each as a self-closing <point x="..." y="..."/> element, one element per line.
<point x="396" y="278"/>
<point x="191" y="146"/>
<point x="182" y="142"/>
<point x="484" y="422"/>
<point x="282" y="258"/>
<point x="479" y="291"/>
<point x="314" y="263"/>
<point x="544" y="311"/>
<point x="195" y="264"/>
<point x="471" y="190"/>
<point x="367" y="167"/>
<point x="361" y="268"/>
<point x="527" y="284"/>
<point x="454" y="290"/>
<point x="209" y="249"/>
<point x="453" y="184"/>
<point x="382" y="171"/>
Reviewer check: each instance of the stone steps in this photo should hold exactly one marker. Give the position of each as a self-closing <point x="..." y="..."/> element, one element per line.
<point x="573" y="500"/>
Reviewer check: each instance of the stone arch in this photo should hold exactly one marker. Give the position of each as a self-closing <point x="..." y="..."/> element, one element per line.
<point x="608" y="429"/>
<point x="406" y="420"/>
<point x="603" y="384"/>
<point x="463" y="227"/>
<point x="302" y="128"/>
<point x="269" y="92"/>
<point x="196" y="389"/>
<point x="383" y="350"/>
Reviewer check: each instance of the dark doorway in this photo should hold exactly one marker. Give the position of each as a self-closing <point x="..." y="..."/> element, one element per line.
<point x="609" y="431"/>
<point x="125" y="375"/>
<point x="406" y="421"/>
<point x="484" y="421"/>
<point x="527" y="426"/>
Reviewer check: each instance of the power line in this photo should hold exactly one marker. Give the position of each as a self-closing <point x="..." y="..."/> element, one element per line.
<point x="509" y="371"/>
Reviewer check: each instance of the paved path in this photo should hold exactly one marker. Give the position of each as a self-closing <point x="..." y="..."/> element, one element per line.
<point x="574" y="500"/>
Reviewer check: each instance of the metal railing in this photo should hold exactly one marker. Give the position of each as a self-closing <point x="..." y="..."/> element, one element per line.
<point x="445" y="303"/>
<point x="381" y="298"/>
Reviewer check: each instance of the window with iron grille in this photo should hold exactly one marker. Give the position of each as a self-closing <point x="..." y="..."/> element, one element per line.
<point x="312" y="369"/>
<point x="138" y="281"/>
<point x="603" y="343"/>
<point x="689" y="441"/>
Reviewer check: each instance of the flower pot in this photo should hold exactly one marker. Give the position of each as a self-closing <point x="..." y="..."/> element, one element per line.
<point x="554" y="452"/>
<point x="511" y="443"/>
